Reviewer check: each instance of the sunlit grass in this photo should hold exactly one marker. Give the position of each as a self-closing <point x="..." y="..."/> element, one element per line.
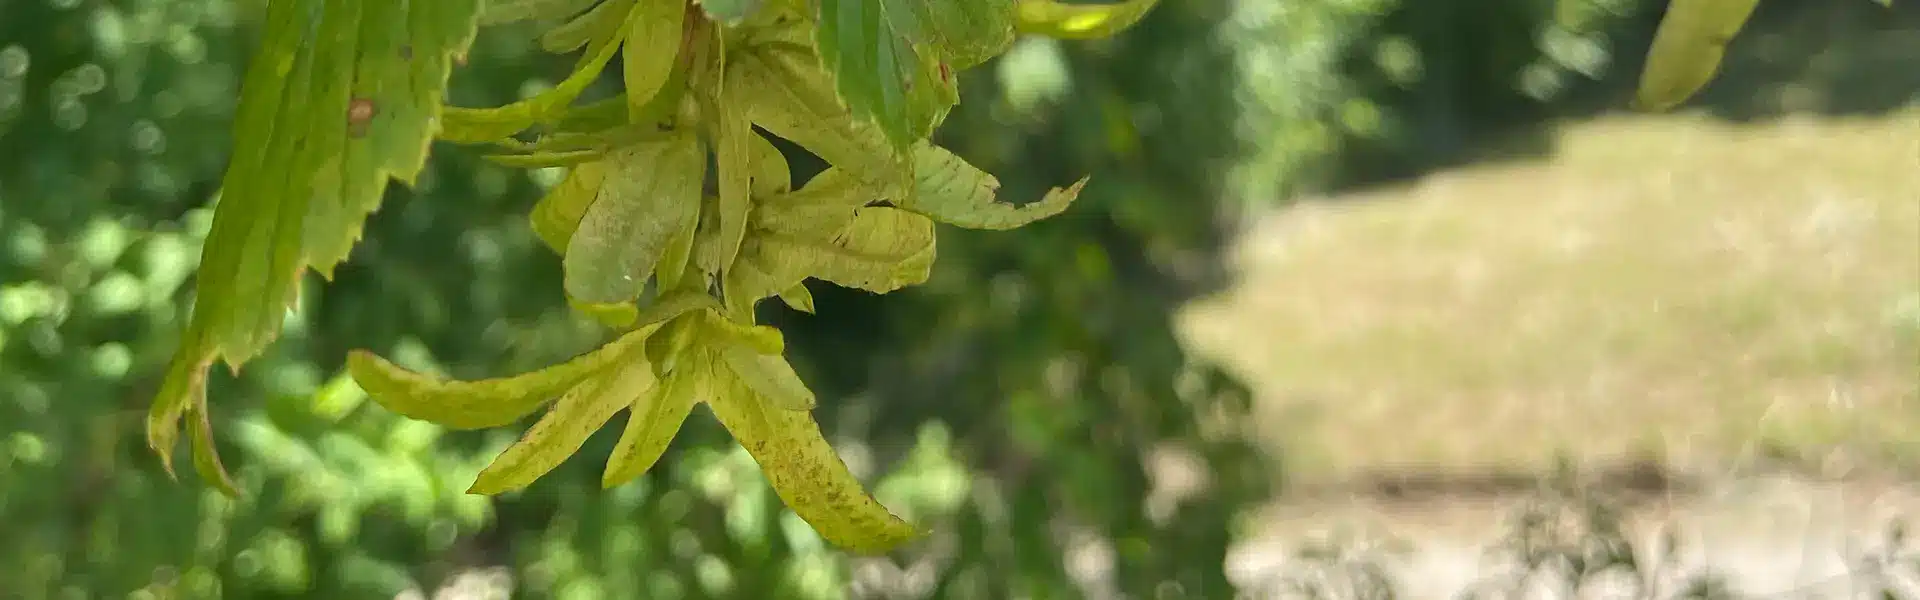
<point x="1666" y="287"/>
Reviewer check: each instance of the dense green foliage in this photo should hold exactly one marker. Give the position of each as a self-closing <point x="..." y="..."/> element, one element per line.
<point x="1010" y="405"/>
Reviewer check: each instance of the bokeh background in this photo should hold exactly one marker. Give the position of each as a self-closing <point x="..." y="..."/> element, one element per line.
<point x="1367" y="299"/>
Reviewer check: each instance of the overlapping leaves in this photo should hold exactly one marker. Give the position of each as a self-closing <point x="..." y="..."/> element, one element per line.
<point x="672" y="256"/>
<point x="342" y="95"/>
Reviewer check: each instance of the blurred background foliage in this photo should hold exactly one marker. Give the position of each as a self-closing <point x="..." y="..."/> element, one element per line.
<point x="1030" y="405"/>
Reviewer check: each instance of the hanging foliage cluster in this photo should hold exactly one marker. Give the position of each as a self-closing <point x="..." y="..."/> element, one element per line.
<point x="676" y="217"/>
<point x="678" y="213"/>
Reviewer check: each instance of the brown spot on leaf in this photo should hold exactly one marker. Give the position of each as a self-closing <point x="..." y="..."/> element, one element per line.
<point x="360" y="113"/>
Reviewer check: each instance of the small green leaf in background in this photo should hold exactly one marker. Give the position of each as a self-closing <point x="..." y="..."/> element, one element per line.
<point x="1687" y="49"/>
<point x="1079" y="21"/>
<point x="341" y="96"/>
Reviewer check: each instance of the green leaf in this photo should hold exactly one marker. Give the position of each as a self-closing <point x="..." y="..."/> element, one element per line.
<point x="805" y="472"/>
<point x="341" y="96"/>
<point x="965" y="33"/>
<point x="501" y="12"/>
<point x="650" y="194"/>
<point x="879" y="75"/>
<point x="1687" y="49"/>
<point x="558" y="213"/>
<point x="559" y="433"/>
<point x="792" y="97"/>
<point x="769" y="376"/>
<point x="654" y="34"/>
<point x="869" y="62"/>
<point x="483" y="403"/>
<point x="473" y="125"/>
<point x="1079" y="21"/>
<point x="653" y="421"/>
<point x="951" y="191"/>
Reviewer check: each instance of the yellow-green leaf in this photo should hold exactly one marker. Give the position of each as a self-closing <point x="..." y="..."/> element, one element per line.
<point x="545" y="159"/>
<point x="673" y="304"/>
<point x="473" y="125"/>
<point x="617" y="315"/>
<point x="805" y="472"/>
<point x="341" y="96"/>
<point x="501" y="12"/>
<point x="1687" y="49"/>
<point x="734" y="153"/>
<point x="651" y="193"/>
<point x="821" y="208"/>
<point x="771" y="175"/>
<point x="558" y="213"/>
<point x="965" y="34"/>
<point x="652" y="422"/>
<point x="679" y="252"/>
<point x="951" y="191"/>
<point x="770" y="376"/>
<point x="723" y="331"/>
<point x="884" y="250"/>
<point x="578" y="31"/>
<point x="559" y="433"/>
<point x="483" y="403"/>
<point x="798" y="298"/>
<point x="1056" y="19"/>
<point x="654" y="32"/>
<point x="790" y="96"/>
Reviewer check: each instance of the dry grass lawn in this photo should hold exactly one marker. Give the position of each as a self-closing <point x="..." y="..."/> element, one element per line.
<point x="1664" y="287"/>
